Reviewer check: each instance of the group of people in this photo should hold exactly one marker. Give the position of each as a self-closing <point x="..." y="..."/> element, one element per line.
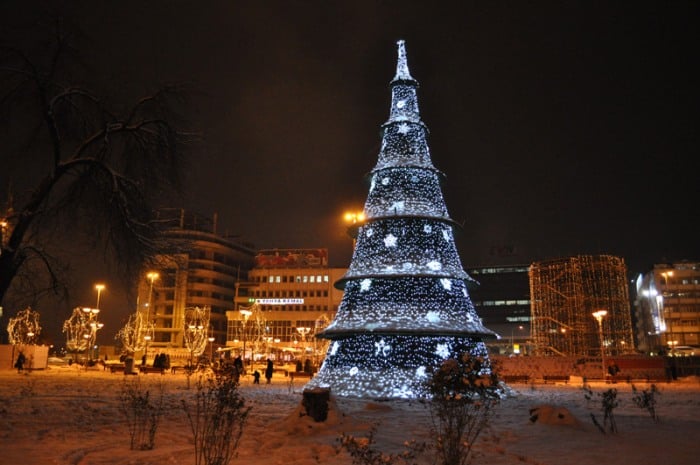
<point x="161" y="361"/>
<point x="269" y="369"/>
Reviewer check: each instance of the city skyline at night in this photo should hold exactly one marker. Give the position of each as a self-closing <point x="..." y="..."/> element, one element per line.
<point x="563" y="128"/>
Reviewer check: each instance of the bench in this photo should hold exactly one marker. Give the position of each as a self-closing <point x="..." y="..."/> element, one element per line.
<point x="556" y="379"/>
<point x="300" y="374"/>
<point x="516" y="378"/>
<point x="147" y="369"/>
<point x="112" y="367"/>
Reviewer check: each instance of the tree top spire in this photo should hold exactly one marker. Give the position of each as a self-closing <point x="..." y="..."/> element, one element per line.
<point x="402" y="72"/>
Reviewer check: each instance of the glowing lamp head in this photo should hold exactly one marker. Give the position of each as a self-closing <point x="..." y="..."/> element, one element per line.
<point x="354" y="217"/>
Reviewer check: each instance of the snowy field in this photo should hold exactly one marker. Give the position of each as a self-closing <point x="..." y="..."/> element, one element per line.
<point x="66" y="416"/>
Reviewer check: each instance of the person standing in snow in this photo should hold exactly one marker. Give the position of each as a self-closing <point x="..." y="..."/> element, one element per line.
<point x="268" y="371"/>
<point x="19" y="364"/>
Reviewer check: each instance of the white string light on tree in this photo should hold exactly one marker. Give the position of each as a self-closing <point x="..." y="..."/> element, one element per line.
<point x="406" y="305"/>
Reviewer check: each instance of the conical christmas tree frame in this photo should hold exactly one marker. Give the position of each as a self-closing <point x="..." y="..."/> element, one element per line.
<point x="406" y="306"/>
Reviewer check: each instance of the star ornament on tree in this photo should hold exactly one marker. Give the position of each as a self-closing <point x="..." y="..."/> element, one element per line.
<point x="382" y="348"/>
<point x="390" y="241"/>
<point x="442" y="350"/>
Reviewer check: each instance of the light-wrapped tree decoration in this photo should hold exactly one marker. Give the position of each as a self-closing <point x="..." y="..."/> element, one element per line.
<point x="24" y="328"/>
<point x="406" y="306"/>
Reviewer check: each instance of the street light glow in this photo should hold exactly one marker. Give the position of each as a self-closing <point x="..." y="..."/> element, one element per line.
<point x="354" y="217"/>
<point x="99" y="288"/>
<point x="598" y="315"/>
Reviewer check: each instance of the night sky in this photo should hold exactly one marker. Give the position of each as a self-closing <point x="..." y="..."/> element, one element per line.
<point x="562" y="127"/>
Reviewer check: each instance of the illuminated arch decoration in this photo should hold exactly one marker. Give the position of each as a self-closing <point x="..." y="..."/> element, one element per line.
<point x="406" y="306"/>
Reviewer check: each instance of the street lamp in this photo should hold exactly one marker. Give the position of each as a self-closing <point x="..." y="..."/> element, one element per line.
<point x="152" y="276"/>
<point x="246" y="314"/>
<point x="669" y="336"/>
<point x="146" y="338"/>
<point x="598" y="315"/>
<point x="92" y="326"/>
<point x="354" y="220"/>
<point x="512" y="341"/>
<point x="99" y="288"/>
<point x="211" y="339"/>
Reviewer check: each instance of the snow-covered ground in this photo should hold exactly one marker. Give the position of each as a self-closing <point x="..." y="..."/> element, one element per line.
<point x="66" y="416"/>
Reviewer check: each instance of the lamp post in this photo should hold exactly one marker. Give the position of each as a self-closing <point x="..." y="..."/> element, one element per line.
<point x="512" y="341"/>
<point x="354" y="220"/>
<point x="246" y="314"/>
<point x="92" y="325"/>
<point x="99" y="288"/>
<point x="303" y="331"/>
<point x="669" y="336"/>
<point x="211" y="339"/>
<point x="146" y="338"/>
<point x="152" y="276"/>
<point x="598" y="315"/>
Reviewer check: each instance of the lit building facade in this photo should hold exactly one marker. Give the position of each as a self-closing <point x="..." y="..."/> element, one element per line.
<point x="502" y="300"/>
<point x="667" y="309"/>
<point x="287" y="298"/>
<point x="566" y="292"/>
<point x="203" y="272"/>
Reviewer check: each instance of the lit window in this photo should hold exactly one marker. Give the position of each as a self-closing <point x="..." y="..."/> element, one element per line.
<point x="312" y="279"/>
<point x="306" y="279"/>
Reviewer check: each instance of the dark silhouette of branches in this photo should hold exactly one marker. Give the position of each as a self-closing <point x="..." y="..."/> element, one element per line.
<point x="96" y="172"/>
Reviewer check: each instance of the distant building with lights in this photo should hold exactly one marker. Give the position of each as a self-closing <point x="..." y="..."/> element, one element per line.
<point x="502" y="300"/>
<point x="291" y="297"/>
<point x="203" y="270"/>
<point x="667" y="309"/>
<point x="565" y="293"/>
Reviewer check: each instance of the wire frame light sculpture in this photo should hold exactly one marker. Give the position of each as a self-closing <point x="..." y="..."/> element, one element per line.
<point x="135" y="333"/>
<point x="253" y="330"/>
<point x="196" y="327"/>
<point x="77" y="331"/>
<point x="24" y="327"/>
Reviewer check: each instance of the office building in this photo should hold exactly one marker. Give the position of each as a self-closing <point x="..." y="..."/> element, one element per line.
<point x="667" y="309"/>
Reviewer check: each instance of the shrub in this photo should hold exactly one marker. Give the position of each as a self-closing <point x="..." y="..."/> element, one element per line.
<point x="646" y="400"/>
<point x="142" y="413"/>
<point x="217" y="416"/>
<point x="462" y="403"/>
<point x="609" y="403"/>
<point x="363" y="452"/>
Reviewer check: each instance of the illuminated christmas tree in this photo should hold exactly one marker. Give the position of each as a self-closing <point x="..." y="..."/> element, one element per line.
<point x="406" y="306"/>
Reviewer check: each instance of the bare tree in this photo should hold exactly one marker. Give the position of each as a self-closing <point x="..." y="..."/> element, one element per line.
<point x="97" y="172"/>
